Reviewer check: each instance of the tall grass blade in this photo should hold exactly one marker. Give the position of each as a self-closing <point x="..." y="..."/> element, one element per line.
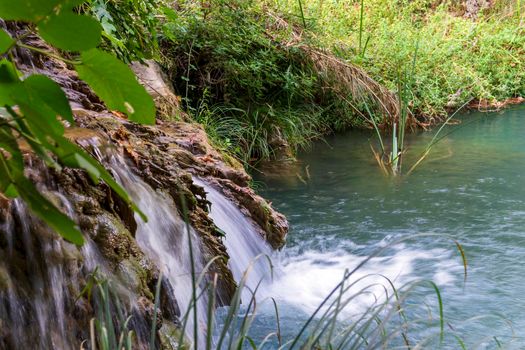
<point x="361" y="20"/>
<point x="277" y="322"/>
<point x="192" y="269"/>
<point x="302" y="12"/>
<point x="211" y="312"/>
<point x="435" y="139"/>
<point x="153" y="331"/>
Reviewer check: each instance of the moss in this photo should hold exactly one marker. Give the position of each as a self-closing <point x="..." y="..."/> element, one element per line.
<point x="133" y="274"/>
<point x="169" y="335"/>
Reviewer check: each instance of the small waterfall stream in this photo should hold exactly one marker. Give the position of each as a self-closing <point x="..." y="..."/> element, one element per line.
<point x="39" y="320"/>
<point x="245" y="245"/>
<point x="164" y="239"/>
<point x="40" y="277"/>
<point x="41" y="315"/>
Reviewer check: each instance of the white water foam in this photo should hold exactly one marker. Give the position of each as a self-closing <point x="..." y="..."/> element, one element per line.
<point x="307" y="279"/>
<point x="303" y="280"/>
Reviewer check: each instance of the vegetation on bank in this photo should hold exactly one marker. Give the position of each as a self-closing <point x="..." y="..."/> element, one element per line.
<point x="267" y="77"/>
<point x="236" y="74"/>
<point x="251" y="72"/>
<point x="460" y="55"/>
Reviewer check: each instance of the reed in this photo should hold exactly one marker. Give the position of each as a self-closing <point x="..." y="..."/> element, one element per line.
<point x="110" y="330"/>
<point x="391" y="162"/>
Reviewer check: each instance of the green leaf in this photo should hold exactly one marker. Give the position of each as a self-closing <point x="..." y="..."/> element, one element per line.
<point x="5" y="41"/>
<point x="71" y="32"/>
<point x="8" y="72"/>
<point x="9" y="144"/>
<point x="37" y="140"/>
<point x="85" y="164"/>
<point x="33" y="10"/>
<point x="46" y="211"/>
<point x="5" y="174"/>
<point x="51" y="94"/>
<point x="9" y="82"/>
<point x="116" y="85"/>
<point x="11" y="191"/>
<point x="24" y="10"/>
<point x="41" y="118"/>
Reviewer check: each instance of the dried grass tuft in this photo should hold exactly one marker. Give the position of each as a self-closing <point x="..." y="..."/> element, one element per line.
<point x="349" y="82"/>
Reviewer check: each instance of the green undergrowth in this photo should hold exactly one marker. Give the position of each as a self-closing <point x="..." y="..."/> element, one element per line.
<point x="129" y="27"/>
<point x="240" y="76"/>
<point x="265" y="78"/>
<point x="250" y="72"/>
<point x="458" y="58"/>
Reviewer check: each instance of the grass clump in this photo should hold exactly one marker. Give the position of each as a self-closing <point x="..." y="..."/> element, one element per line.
<point x="388" y="317"/>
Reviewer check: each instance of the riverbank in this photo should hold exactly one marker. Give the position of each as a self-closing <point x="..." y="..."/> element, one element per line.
<point x="261" y="92"/>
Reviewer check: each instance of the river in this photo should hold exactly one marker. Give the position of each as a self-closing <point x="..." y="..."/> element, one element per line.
<point x="342" y="208"/>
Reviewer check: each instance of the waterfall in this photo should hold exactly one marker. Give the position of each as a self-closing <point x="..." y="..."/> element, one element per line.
<point x="38" y="320"/>
<point x="165" y="239"/>
<point x="40" y="283"/>
<point x="38" y="300"/>
<point x="243" y="243"/>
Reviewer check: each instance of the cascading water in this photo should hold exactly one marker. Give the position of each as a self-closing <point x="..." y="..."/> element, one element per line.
<point x="246" y="247"/>
<point x="165" y="239"/>
<point x="39" y="315"/>
<point x="303" y="278"/>
<point x="40" y="281"/>
<point x="38" y="320"/>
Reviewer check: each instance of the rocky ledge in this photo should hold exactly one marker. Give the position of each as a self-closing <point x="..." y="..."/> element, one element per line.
<point x="165" y="156"/>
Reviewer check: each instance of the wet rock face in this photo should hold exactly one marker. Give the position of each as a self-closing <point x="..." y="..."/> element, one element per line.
<point x="150" y="74"/>
<point x="167" y="155"/>
<point x="44" y="302"/>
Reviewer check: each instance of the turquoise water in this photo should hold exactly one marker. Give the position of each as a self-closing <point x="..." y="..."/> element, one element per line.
<point x="341" y="208"/>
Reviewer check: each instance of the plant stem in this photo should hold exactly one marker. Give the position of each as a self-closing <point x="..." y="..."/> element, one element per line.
<point x="48" y="53"/>
<point x="302" y="12"/>
<point x="361" y="51"/>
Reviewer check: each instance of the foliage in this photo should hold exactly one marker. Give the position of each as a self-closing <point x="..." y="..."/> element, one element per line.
<point x="35" y="108"/>
<point x="128" y="26"/>
<point x="458" y="57"/>
<point x="247" y="86"/>
<point x="275" y="76"/>
<point x="110" y="330"/>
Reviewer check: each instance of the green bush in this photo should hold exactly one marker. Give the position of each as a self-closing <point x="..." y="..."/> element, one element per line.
<point x="129" y="27"/>
<point x="458" y="58"/>
<point x="230" y="63"/>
